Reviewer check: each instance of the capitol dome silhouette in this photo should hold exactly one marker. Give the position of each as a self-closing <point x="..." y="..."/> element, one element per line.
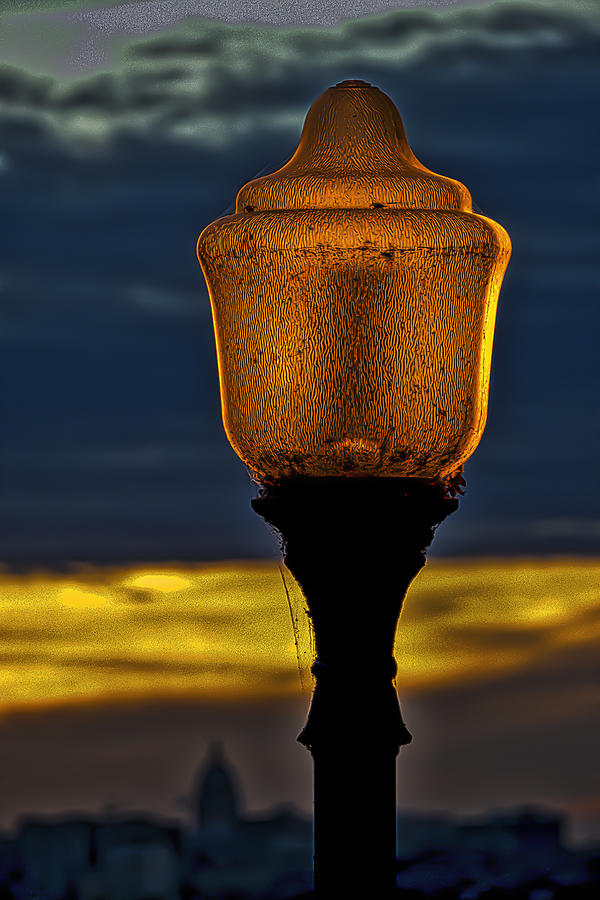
<point x="218" y="796"/>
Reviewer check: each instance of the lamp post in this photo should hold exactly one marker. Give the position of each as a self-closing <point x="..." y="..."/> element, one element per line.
<point x="353" y="296"/>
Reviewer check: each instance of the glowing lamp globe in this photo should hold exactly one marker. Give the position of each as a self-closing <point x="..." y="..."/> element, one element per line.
<point x="354" y="296"/>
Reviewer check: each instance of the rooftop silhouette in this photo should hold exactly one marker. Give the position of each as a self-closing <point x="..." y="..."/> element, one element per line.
<point x="223" y="853"/>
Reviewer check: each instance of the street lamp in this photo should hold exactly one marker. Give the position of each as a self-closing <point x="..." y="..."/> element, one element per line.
<point x="353" y="296"/>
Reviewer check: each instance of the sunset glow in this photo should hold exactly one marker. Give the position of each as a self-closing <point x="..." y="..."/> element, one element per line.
<point x="224" y="630"/>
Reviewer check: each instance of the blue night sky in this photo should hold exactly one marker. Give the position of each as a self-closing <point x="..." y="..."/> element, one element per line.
<point x="125" y="130"/>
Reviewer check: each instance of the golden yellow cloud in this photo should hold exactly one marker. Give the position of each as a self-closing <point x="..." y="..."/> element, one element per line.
<point x="224" y="630"/>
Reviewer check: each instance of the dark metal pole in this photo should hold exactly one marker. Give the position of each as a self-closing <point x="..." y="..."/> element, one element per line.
<point x="354" y="545"/>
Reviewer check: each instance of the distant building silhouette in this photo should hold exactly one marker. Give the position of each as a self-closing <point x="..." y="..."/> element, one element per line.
<point x="232" y="853"/>
<point x="120" y="857"/>
<point x="55" y="855"/>
<point x="218" y="797"/>
<point x="225" y="853"/>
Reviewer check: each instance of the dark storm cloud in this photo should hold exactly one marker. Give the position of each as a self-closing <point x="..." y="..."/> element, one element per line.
<point x="26" y="127"/>
<point x="400" y="35"/>
<point x="30" y="635"/>
<point x="18" y="657"/>
<point x="443" y="602"/>
<point x="496" y="639"/>
<point x="590" y="618"/>
<point x="97" y="92"/>
<point x="203" y="622"/>
<point x="551" y="674"/>
<point x="20" y="87"/>
<point x="180" y="46"/>
<point x="133" y="595"/>
<point x="127" y="665"/>
<point x="212" y="82"/>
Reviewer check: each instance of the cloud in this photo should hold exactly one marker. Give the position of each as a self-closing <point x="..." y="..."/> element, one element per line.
<point x="180" y="46"/>
<point x="212" y="83"/>
<point x="27" y="127"/>
<point x="126" y="665"/>
<point x="220" y="628"/>
<point x="571" y="527"/>
<point x="19" y="87"/>
<point x="33" y="636"/>
<point x="496" y="639"/>
<point x="25" y="7"/>
<point x="133" y="595"/>
<point x="476" y="747"/>
<point x="485" y="734"/>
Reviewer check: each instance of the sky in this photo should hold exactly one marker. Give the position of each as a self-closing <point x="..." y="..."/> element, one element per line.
<point x="91" y="35"/>
<point x="113" y="448"/>
<point x="123" y="510"/>
<point x="178" y="629"/>
<point x="114" y="681"/>
<point x="70" y="38"/>
<point x="119" y="15"/>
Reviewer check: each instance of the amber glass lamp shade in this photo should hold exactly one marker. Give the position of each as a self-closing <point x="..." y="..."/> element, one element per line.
<point x="354" y="296"/>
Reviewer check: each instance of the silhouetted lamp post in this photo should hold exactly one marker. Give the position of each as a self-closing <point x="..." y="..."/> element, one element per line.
<point x="354" y="295"/>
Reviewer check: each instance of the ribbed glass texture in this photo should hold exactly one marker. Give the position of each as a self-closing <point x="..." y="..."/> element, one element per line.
<point x="352" y="338"/>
